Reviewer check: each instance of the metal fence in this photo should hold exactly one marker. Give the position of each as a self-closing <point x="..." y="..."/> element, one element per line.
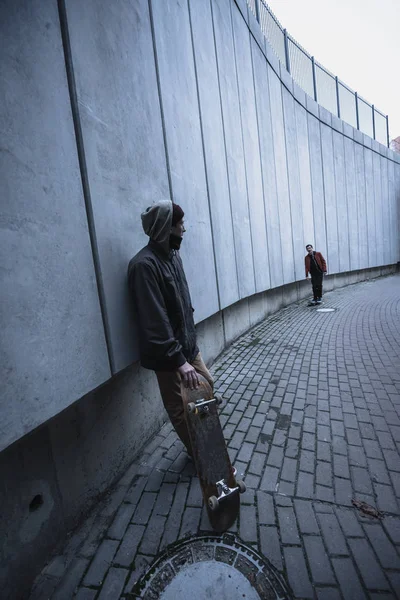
<point x="318" y="82"/>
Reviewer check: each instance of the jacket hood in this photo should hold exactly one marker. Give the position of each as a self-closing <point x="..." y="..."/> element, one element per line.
<point x="157" y="222"/>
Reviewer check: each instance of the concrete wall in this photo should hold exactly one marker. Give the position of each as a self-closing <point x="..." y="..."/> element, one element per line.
<point x="173" y="99"/>
<point x="103" y="110"/>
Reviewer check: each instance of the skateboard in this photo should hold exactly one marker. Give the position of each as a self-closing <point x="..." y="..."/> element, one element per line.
<point x="210" y="455"/>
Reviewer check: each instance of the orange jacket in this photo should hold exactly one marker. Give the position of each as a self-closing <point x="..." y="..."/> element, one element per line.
<point x="319" y="259"/>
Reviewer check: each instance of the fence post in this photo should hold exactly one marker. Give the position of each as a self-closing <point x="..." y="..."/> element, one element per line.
<point x="314" y="79"/>
<point x="357" y="116"/>
<point x="373" y="122"/>
<point x="257" y="10"/>
<point x="285" y="37"/>
<point x="337" y="97"/>
<point x="387" y="131"/>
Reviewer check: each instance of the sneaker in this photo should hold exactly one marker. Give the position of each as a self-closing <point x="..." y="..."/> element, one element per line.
<point x="313" y="303"/>
<point x="319" y="301"/>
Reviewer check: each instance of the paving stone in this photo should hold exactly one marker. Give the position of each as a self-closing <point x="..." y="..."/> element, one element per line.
<point x="318" y="560"/>
<point x="130" y="543"/>
<point x="121" y="521"/>
<point x="140" y="566"/>
<point x="270" y="546"/>
<point x="305" y="517"/>
<point x="346" y="574"/>
<point x="135" y="491"/>
<point x="288" y="526"/>
<point x="328" y="593"/>
<point x="384" y="549"/>
<point x="305" y="485"/>
<point x="324" y="451"/>
<point x="289" y="469"/>
<point x="266" y="511"/>
<point x="392" y="460"/>
<point x="248" y="524"/>
<point x="357" y="456"/>
<point x="85" y="593"/>
<point x="152" y="536"/>
<point x="269" y="480"/>
<point x="101" y="563"/>
<point x="297" y="573"/>
<point x="368" y="566"/>
<point x="386" y="500"/>
<point x="257" y="463"/>
<point x="275" y="457"/>
<point x="113" y="584"/>
<point x="172" y="526"/>
<point x="164" y="499"/>
<point x="190" y="522"/>
<point x="372" y="449"/>
<point x="361" y="480"/>
<point x="332" y="534"/>
<point x="307" y="461"/>
<point x="324" y="474"/>
<point x="349" y="523"/>
<point x="71" y="579"/>
<point x="144" y="508"/>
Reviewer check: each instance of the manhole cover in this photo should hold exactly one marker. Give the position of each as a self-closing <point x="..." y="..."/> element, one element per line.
<point x="326" y="309"/>
<point x="211" y="567"/>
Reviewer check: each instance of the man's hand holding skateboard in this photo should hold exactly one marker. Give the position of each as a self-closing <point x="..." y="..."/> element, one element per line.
<point x="189" y="376"/>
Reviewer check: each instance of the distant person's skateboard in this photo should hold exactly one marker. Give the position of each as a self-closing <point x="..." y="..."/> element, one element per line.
<point x="218" y="483"/>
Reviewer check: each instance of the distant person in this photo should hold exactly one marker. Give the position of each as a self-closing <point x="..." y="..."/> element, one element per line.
<point x="315" y="265"/>
<point x="160" y="293"/>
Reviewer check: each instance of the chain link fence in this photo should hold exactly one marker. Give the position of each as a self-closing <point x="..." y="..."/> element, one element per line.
<point x="318" y="82"/>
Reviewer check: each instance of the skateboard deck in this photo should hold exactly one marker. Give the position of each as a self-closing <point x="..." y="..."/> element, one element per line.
<point x="210" y="455"/>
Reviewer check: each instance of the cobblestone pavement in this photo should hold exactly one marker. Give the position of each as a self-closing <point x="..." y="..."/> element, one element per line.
<point x="312" y="421"/>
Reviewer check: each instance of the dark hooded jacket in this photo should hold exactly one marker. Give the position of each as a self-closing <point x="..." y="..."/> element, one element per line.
<point x="164" y="313"/>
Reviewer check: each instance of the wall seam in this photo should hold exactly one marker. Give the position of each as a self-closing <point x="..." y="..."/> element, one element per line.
<point x="226" y="155"/>
<point x="69" y="67"/>
<point x="155" y="54"/>
<point x="244" y="152"/>
<point x="261" y="163"/>
<point x="204" y="155"/>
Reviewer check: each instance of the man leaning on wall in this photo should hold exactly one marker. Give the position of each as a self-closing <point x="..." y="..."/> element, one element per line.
<point x="164" y="312"/>
<point x="315" y="265"/>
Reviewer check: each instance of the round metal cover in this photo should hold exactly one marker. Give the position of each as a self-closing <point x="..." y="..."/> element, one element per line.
<point x="211" y="567"/>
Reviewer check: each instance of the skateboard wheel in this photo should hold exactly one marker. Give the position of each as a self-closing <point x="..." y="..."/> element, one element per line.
<point x="213" y="502"/>
<point x="191" y="407"/>
<point x="242" y="486"/>
<point x="218" y="398"/>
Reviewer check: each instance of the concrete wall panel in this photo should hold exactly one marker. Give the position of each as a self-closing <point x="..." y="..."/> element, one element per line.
<point x="385" y="211"/>
<point x="330" y="199"/>
<point x="123" y="141"/>
<point x="268" y="166"/>
<point x="362" y="206"/>
<point x="370" y="204"/>
<point x="317" y="183"/>
<point x="214" y="151"/>
<point x="294" y="182"/>
<point x="185" y="148"/>
<point x="352" y="207"/>
<point x="53" y="348"/>
<point x="376" y="165"/>
<point x="251" y="151"/>
<point x="234" y="144"/>
<point x="305" y="176"/>
<point x="341" y="201"/>
<point x="278" y="132"/>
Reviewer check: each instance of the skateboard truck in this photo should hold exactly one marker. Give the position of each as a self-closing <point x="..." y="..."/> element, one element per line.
<point x="223" y="491"/>
<point x="202" y="405"/>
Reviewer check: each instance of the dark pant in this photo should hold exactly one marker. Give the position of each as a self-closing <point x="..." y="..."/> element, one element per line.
<point x="169" y="383"/>
<point x="316" y="281"/>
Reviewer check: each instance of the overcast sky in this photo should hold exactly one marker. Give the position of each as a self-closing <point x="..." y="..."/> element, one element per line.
<point x="357" y="40"/>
